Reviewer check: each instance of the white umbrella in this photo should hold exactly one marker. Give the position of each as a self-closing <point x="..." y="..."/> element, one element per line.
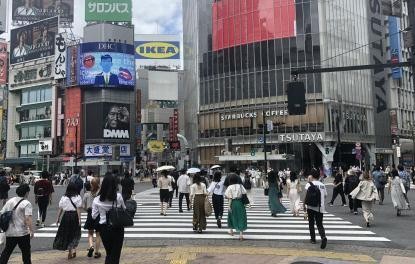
<point x="215" y="167"/>
<point x="165" y="168"/>
<point x="193" y="170"/>
<point x="7" y="169"/>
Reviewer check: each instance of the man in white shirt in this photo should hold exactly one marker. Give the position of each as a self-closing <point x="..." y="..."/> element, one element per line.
<point x="183" y="184"/>
<point x="315" y="211"/>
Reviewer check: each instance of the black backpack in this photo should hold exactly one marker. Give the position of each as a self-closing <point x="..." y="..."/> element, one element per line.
<point x="247" y="184"/>
<point x="313" y="196"/>
<point x="7" y="216"/>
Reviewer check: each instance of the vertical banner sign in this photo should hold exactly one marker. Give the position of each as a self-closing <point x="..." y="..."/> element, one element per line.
<point x="175" y="124"/>
<point x="3" y="16"/>
<point x="3" y="63"/>
<point x="72" y="67"/>
<point x="171" y="129"/>
<point x="60" y="57"/>
<point x="395" y="46"/>
<point x="73" y="124"/>
<point x="108" y="10"/>
<point x="380" y="87"/>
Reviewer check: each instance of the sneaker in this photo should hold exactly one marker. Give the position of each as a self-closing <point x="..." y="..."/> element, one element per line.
<point x="330" y="204"/>
<point x="42" y="225"/>
<point x="344" y="205"/>
<point x="219" y="223"/>
<point x="180" y="211"/>
<point x="355" y="213"/>
<point x="312" y="241"/>
<point x="90" y="252"/>
<point x="367" y="224"/>
<point x="37" y="222"/>
<point x="323" y="243"/>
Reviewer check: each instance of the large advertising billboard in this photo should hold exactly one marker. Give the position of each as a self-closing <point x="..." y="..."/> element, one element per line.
<point x="107" y="121"/>
<point x="395" y="46"/>
<point x="157" y="50"/>
<point x="35" y="10"/>
<point x="3" y="16"/>
<point x="3" y="63"/>
<point x="73" y="124"/>
<point x="108" y="10"/>
<point x="107" y="64"/>
<point x="33" y="41"/>
<point x="251" y="21"/>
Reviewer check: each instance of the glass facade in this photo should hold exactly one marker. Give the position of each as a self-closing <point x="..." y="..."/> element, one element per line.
<point x="36" y="95"/>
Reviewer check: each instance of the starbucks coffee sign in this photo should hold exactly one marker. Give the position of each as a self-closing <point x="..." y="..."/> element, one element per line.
<point x="253" y="114"/>
<point x="301" y="137"/>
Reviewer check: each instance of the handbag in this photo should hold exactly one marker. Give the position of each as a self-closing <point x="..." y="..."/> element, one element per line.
<point x="117" y="217"/>
<point x="244" y="198"/>
<point x="266" y="191"/>
<point x="208" y="207"/>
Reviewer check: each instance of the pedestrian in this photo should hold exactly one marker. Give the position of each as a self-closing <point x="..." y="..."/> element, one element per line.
<point x="172" y="186"/>
<point x="127" y="185"/>
<point x="4" y="187"/>
<point x="380" y="179"/>
<point x="77" y="180"/>
<point x="237" y="218"/>
<point x="164" y="184"/>
<point x="338" y="189"/>
<point x="247" y="183"/>
<point x="217" y="190"/>
<point x="92" y="225"/>
<point x="350" y="183"/>
<point x="69" y="231"/>
<point x="183" y="185"/>
<point x="293" y="191"/>
<point x="154" y="179"/>
<point x="175" y="176"/>
<point x="112" y="238"/>
<point x="413" y="174"/>
<point x="314" y="206"/>
<point x="130" y="206"/>
<point x="367" y="193"/>
<point x="274" y="195"/>
<point x="398" y="193"/>
<point x="43" y="197"/>
<point x="406" y="179"/>
<point x="20" y="229"/>
<point x="198" y="195"/>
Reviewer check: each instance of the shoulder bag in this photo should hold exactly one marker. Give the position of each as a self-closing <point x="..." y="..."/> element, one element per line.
<point x="117" y="217"/>
<point x="7" y="216"/>
<point x="244" y="198"/>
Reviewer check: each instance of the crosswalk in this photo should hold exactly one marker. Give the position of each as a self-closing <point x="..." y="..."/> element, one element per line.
<point x="149" y="224"/>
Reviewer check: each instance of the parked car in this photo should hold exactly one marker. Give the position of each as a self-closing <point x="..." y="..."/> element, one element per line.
<point x="30" y="176"/>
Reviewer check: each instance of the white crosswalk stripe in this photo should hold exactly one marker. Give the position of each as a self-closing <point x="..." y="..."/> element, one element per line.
<point x="149" y="224"/>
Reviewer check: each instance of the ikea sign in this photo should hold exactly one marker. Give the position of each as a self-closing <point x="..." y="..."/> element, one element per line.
<point x="157" y="50"/>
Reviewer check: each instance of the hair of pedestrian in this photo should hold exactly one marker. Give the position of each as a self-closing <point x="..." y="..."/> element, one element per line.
<point x="183" y="171"/>
<point x="22" y="190"/>
<point x="197" y="179"/>
<point x="126" y="174"/>
<point x="366" y="176"/>
<point x="108" y="191"/>
<point x="394" y="173"/>
<point x="95" y="182"/>
<point x="76" y="170"/>
<point x="315" y="174"/>
<point x="90" y="173"/>
<point x="400" y="168"/>
<point x="272" y="177"/>
<point x="2" y="173"/>
<point x="233" y="169"/>
<point x="44" y="175"/>
<point x="377" y="168"/>
<point x="88" y="186"/>
<point x="71" y="190"/>
<point x="293" y="176"/>
<point x="164" y="173"/>
<point x="233" y="179"/>
<point x="217" y="176"/>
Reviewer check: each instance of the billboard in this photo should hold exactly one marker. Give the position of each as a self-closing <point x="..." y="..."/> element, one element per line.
<point x="33" y="41"/>
<point x="157" y="50"/>
<point x="3" y="63"/>
<point x="108" y="10"/>
<point x="106" y="64"/>
<point x="35" y="10"/>
<point x="250" y="21"/>
<point x="29" y="74"/>
<point x="105" y="150"/>
<point x="395" y="46"/>
<point x="73" y="110"/>
<point x="3" y="16"/>
<point x="107" y="121"/>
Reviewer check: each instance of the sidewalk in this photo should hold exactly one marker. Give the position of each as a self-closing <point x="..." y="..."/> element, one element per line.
<point x="220" y="255"/>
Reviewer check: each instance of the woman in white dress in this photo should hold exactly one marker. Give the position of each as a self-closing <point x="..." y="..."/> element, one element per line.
<point x="293" y="191"/>
<point x="396" y="189"/>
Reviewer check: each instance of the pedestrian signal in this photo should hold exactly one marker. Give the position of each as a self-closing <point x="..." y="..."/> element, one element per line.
<point x="296" y="98"/>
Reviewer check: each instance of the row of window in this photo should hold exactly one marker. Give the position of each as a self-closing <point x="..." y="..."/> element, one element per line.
<point x="35" y="114"/>
<point x="36" y="131"/>
<point x="39" y="95"/>
<point x="28" y="149"/>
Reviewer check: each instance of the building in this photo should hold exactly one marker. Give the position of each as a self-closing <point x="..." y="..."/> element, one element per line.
<point x="239" y="57"/>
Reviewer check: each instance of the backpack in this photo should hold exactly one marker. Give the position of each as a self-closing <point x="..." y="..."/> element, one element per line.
<point x="383" y="179"/>
<point x="313" y="196"/>
<point x="247" y="184"/>
<point x="7" y="216"/>
<point x="78" y="182"/>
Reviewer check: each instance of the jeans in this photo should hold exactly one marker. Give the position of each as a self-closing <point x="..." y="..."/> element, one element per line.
<point x="336" y="191"/>
<point x="381" y="192"/>
<point x="112" y="239"/>
<point x="181" y="200"/>
<point x="315" y="218"/>
<point x="24" y="244"/>
<point x="43" y="202"/>
<point x="217" y="201"/>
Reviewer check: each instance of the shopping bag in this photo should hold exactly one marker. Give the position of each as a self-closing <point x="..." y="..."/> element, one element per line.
<point x="208" y="207"/>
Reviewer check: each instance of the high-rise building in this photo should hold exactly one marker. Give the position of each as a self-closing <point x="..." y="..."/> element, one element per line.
<point x="239" y="57"/>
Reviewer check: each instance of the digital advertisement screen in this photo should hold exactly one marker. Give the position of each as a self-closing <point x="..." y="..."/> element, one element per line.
<point x="35" y="10"/>
<point x="107" y="65"/>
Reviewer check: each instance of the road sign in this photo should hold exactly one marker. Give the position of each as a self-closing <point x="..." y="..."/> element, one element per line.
<point x="270" y="126"/>
<point x="398" y="152"/>
<point x="261" y="139"/>
<point x="358" y="145"/>
<point x="253" y="152"/>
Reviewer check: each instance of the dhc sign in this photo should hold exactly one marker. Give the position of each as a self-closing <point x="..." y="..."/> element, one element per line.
<point x="162" y="50"/>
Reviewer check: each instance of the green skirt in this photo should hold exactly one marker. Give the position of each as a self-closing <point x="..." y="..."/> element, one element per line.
<point x="275" y="205"/>
<point x="237" y="217"/>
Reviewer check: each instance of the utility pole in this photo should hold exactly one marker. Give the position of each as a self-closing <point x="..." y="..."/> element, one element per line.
<point x="265" y="142"/>
<point x="411" y="18"/>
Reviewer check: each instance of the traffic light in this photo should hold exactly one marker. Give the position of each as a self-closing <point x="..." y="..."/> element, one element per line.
<point x="296" y="98"/>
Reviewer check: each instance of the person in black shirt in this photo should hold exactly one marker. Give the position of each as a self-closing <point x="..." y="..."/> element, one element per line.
<point x="338" y="189"/>
<point x="127" y="185"/>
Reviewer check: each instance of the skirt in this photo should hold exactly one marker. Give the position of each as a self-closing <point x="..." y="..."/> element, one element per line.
<point x="199" y="215"/>
<point x="164" y="195"/>
<point x="69" y="232"/>
<point x="91" y="224"/>
<point x="275" y="205"/>
<point x="237" y="216"/>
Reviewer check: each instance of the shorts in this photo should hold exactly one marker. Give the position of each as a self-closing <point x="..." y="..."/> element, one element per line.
<point x="164" y="195"/>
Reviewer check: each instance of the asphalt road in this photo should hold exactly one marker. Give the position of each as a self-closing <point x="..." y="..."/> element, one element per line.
<point x="400" y="230"/>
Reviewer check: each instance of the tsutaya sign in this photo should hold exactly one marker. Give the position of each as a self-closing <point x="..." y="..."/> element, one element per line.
<point x="254" y="114"/>
<point x="301" y="137"/>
